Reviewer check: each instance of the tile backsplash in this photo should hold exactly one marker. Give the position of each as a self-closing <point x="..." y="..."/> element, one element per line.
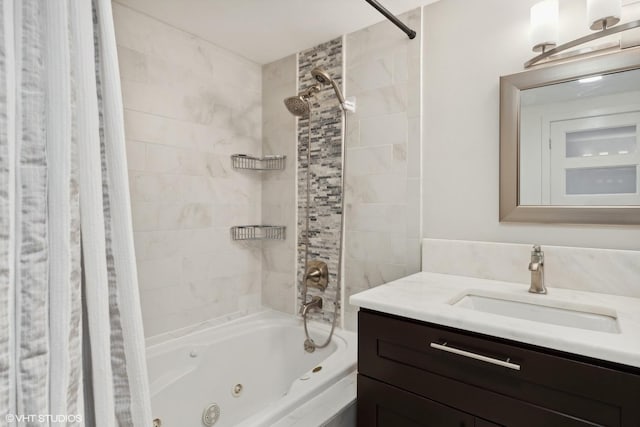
<point x="608" y="271"/>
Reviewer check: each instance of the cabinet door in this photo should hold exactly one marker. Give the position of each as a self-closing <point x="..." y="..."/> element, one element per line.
<point x="382" y="405"/>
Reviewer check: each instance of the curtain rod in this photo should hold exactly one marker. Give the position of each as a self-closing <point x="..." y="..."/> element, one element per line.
<point x="391" y="17"/>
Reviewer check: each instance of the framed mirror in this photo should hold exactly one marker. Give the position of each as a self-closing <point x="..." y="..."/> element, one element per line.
<point x="570" y="142"/>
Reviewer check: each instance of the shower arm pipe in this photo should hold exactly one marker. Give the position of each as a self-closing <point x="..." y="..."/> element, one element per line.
<point x="391" y="17"/>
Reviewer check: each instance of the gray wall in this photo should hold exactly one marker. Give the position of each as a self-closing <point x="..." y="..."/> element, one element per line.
<point x="462" y="67"/>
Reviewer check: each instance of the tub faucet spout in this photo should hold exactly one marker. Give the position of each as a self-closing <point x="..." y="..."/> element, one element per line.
<point x="316" y="301"/>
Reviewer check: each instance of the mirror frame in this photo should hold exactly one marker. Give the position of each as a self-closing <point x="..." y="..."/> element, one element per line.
<point x="510" y="88"/>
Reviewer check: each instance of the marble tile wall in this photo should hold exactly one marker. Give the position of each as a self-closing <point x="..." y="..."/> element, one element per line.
<point x="279" y="187"/>
<point x="605" y="271"/>
<point x="382" y="240"/>
<point x="188" y="105"/>
<point x="325" y="171"/>
<point x="383" y="157"/>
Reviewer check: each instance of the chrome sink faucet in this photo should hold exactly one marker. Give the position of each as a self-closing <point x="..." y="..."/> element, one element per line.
<point x="536" y="267"/>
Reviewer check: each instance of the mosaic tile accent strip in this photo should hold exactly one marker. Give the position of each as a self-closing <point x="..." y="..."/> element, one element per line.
<point x="326" y="152"/>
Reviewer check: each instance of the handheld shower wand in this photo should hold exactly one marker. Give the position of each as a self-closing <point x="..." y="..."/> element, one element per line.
<point x="324" y="78"/>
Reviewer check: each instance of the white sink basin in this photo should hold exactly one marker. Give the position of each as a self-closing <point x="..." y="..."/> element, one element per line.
<point x="590" y="318"/>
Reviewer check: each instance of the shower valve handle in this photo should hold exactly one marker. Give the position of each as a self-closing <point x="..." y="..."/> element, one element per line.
<point x="314" y="274"/>
<point x="317" y="275"/>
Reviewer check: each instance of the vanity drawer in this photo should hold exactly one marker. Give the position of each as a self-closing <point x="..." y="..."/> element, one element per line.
<point x="382" y="405"/>
<point x="470" y="371"/>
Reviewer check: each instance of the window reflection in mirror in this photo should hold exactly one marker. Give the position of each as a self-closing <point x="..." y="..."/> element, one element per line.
<point x="580" y="142"/>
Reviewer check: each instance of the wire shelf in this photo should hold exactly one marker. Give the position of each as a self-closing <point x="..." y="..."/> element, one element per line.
<point x="266" y="163"/>
<point x="258" y="232"/>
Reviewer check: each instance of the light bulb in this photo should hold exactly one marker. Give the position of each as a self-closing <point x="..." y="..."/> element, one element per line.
<point x="544" y="25"/>
<point x="603" y="14"/>
<point x="590" y="79"/>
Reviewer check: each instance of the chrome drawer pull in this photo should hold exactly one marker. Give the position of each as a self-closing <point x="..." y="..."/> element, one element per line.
<point x="503" y="363"/>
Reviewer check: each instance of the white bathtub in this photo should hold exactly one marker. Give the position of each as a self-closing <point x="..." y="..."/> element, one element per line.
<point x="263" y="353"/>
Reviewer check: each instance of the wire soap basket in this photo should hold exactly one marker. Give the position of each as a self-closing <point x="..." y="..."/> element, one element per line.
<point x="266" y="163"/>
<point x="258" y="232"/>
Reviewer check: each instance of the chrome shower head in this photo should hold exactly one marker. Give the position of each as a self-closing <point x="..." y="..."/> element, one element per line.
<point x="297" y="105"/>
<point x="324" y="78"/>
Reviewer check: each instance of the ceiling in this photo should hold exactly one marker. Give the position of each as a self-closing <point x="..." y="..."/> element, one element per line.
<point x="266" y="30"/>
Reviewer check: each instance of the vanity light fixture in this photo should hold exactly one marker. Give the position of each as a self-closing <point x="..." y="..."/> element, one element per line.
<point x="603" y="15"/>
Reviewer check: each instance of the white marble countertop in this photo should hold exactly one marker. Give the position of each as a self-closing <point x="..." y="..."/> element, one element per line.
<point x="429" y="297"/>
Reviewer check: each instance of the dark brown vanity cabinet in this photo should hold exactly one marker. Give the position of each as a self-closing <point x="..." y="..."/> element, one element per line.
<point x="416" y="374"/>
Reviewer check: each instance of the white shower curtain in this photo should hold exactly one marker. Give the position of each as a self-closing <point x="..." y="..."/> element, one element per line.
<point x="71" y="339"/>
